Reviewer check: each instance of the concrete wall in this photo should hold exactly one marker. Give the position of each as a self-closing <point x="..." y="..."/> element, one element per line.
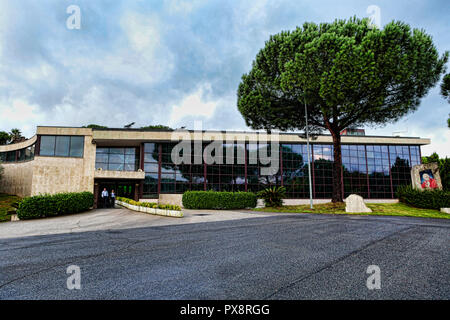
<point x="17" y="178"/>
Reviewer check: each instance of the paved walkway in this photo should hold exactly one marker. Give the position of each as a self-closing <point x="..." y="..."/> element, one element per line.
<point x="120" y="218"/>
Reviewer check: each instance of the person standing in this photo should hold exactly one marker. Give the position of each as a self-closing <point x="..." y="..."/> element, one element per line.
<point x="113" y="199"/>
<point x="105" y="196"/>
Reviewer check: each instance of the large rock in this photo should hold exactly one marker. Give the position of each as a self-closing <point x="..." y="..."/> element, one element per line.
<point x="445" y="210"/>
<point x="355" y="203"/>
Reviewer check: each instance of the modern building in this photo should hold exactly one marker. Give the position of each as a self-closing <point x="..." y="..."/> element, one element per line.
<point x="138" y="163"/>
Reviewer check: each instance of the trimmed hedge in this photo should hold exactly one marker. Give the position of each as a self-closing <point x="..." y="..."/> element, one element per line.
<point x="46" y="205"/>
<point x="427" y="199"/>
<point x="150" y="204"/>
<point x="218" y="200"/>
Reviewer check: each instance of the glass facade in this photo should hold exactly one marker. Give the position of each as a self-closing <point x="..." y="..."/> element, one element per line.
<point x="117" y="159"/>
<point x="61" y="146"/>
<point x="372" y="171"/>
<point x="25" y="154"/>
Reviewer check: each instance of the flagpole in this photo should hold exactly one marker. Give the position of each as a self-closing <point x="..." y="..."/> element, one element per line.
<point x="309" y="157"/>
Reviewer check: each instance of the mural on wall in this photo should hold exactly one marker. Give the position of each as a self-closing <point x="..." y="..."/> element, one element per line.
<point x="426" y="176"/>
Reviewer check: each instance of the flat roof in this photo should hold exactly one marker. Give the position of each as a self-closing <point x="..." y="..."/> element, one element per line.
<point x="225" y="131"/>
<point x="131" y="136"/>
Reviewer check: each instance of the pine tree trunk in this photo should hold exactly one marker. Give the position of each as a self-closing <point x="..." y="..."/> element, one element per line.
<point x="337" y="168"/>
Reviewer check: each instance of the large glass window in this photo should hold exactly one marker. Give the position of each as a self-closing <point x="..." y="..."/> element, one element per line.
<point x="11" y="156"/>
<point x="366" y="170"/>
<point x="76" y="146"/>
<point x="295" y="170"/>
<point x="378" y="171"/>
<point x="25" y="154"/>
<point x="400" y="163"/>
<point x="47" y="147"/>
<point x="117" y="159"/>
<point x="322" y="171"/>
<point x="62" y="146"/>
<point x="354" y="170"/>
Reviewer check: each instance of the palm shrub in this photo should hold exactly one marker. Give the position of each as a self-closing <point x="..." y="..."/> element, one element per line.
<point x="273" y="196"/>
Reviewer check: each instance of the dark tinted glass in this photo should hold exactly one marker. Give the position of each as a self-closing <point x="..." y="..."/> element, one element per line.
<point x="10" y="156"/>
<point x="62" y="146"/>
<point x="76" y="146"/>
<point x="47" y="146"/>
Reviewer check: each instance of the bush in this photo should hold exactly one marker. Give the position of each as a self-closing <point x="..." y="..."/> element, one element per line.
<point x="218" y="200"/>
<point x="273" y="197"/>
<point x="427" y="199"/>
<point x="46" y="205"/>
<point x="150" y="204"/>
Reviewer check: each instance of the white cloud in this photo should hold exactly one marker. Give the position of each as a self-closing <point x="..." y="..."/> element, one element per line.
<point x="193" y="104"/>
<point x="440" y="142"/>
<point x="20" y="114"/>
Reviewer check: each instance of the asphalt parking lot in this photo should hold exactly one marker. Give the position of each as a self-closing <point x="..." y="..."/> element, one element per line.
<point x="297" y="256"/>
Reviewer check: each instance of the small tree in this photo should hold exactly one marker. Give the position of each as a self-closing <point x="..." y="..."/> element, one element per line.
<point x="4" y="137"/>
<point x="346" y="72"/>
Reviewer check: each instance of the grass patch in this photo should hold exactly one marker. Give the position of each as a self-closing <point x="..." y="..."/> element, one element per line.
<point x="378" y="209"/>
<point x="6" y="200"/>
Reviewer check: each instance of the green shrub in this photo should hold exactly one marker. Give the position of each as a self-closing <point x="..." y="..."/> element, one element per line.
<point x="273" y="196"/>
<point x="427" y="199"/>
<point x="46" y="205"/>
<point x="218" y="200"/>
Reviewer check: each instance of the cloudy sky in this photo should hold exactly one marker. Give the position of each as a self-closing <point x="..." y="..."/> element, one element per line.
<point x="171" y="62"/>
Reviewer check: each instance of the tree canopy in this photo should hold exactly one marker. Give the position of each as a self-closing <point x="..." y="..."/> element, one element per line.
<point x="4" y="137"/>
<point x="445" y="87"/>
<point x="348" y="73"/>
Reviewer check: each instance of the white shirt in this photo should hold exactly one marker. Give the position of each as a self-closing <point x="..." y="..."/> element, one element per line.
<point x="104" y="193"/>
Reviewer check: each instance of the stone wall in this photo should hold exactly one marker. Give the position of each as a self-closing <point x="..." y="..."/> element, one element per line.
<point x="62" y="174"/>
<point x="171" y="199"/>
<point x="52" y="174"/>
<point x="17" y="178"/>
